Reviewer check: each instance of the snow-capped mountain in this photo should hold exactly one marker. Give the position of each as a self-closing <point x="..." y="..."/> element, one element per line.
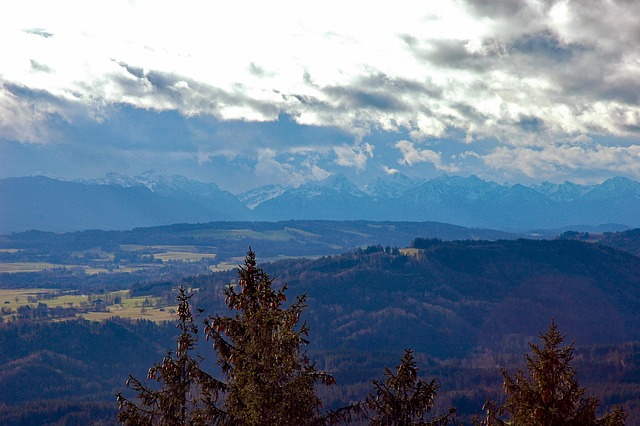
<point x="391" y="186"/>
<point x="563" y="192"/>
<point x="615" y="188"/>
<point x="116" y="179"/>
<point x="466" y="201"/>
<point x="257" y="196"/>
<point x="334" y="198"/>
<point x="334" y="184"/>
<point x="120" y="201"/>
<point x="175" y="186"/>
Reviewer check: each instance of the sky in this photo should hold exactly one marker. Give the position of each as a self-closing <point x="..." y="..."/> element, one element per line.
<point x="249" y="93"/>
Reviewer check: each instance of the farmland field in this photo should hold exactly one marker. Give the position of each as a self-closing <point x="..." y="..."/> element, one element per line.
<point x="142" y="307"/>
<point x="152" y="314"/>
<point x="20" y="296"/>
<point x="26" y="266"/>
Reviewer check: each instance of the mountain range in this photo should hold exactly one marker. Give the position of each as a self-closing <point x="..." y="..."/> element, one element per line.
<point x="120" y="201"/>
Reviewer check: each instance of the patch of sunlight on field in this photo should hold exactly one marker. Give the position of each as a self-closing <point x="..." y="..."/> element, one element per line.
<point x="95" y="253"/>
<point x="181" y="248"/>
<point x="67" y="300"/>
<point x="93" y="271"/>
<point x="410" y="251"/>
<point x="142" y="307"/>
<point x="168" y="313"/>
<point x="187" y="253"/>
<point x="301" y="232"/>
<point x="186" y="249"/>
<point x="228" y="265"/>
<point x="132" y="247"/>
<point x="89" y="270"/>
<point x="9" y="297"/>
<point x="275" y="234"/>
<point x="184" y="256"/>
<point x="26" y="266"/>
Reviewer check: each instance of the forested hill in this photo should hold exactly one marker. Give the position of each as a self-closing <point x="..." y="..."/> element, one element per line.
<point x="627" y="240"/>
<point x="451" y="298"/>
<point x="466" y="308"/>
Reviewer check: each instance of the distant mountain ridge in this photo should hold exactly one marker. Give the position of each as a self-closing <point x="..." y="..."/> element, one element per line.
<point x="54" y="205"/>
<point x="120" y="201"/>
<point x="464" y="201"/>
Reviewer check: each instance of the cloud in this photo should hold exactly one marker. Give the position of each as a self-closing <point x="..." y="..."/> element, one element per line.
<point x="203" y="157"/>
<point x="523" y="76"/>
<point x="412" y="155"/>
<point x="389" y="170"/>
<point x="271" y="170"/>
<point x="39" y="32"/>
<point x="37" y="66"/>
<point x="565" y="159"/>
<point x="26" y="120"/>
<point x="353" y="156"/>
<point x="476" y="67"/>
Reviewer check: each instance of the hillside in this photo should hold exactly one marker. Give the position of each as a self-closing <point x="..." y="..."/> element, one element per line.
<point x="627" y="240"/>
<point x="466" y="307"/>
<point x="453" y="298"/>
<point x="228" y="240"/>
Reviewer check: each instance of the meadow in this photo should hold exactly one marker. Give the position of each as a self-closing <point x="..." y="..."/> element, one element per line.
<point x="93" y="307"/>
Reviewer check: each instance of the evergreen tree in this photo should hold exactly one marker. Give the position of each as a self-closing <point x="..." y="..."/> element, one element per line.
<point x="550" y="394"/>
<point x="270" y="380"/>
<point x="187" y="395"/>
<point x="403" y="399"/>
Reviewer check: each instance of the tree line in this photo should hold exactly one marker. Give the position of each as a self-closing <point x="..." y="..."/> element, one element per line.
<point x="266" y="378"/>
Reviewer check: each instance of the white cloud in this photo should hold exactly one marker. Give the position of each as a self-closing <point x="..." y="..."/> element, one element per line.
<point x="353" y="156"/>
<point x="203" y="157"/>
<point x="389" y="170"/>
<point x="412" y="155"/>
<point x="271" y="170"/>
<point x="558" y="160"/>
<point x="525" y="73"/>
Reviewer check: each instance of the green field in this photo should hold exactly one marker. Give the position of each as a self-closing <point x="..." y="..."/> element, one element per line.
<point x="130" y="307"/>
<point x="166" y="313"/>
<point x="99" y="261"/>
<point x="15" y="298"/>
<point x="15" y="267"/>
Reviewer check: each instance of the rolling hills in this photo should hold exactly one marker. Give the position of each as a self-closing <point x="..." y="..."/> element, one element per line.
<point x="467" y="307"/>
